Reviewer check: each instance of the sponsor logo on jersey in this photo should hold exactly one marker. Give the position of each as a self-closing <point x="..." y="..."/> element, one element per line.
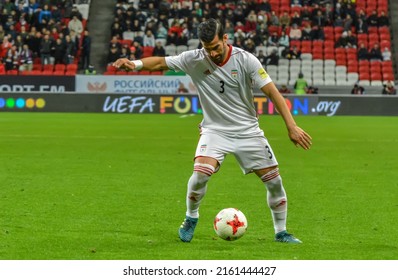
<point x="263" y="74"/>
<point x="234" y="73"/>
<point x="203" y="147"/>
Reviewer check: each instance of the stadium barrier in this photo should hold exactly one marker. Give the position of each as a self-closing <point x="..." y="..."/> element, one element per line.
<point x="327" y="105"/>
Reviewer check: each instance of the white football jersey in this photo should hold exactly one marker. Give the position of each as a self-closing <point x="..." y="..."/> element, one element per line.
<point x="225" y="91"/>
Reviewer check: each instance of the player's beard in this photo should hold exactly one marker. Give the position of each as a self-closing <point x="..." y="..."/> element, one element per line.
<point x="220" y="58"/>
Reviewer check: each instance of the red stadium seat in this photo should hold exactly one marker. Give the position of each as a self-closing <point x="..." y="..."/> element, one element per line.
<point x="329" y="55"/>
<point x="385" y="44"/>
<point x="12" y="72"/>
<point x="317" y="54"/>
<point x="59" y="67"/>
<point x="375" y="76"/>
<point x="71" y="68"/>
<point x="306" y="44"/>
<point x="329" y="44"/>
<point x="353" y="68"/>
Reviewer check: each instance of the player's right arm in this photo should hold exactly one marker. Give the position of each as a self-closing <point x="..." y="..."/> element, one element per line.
<point x="154" y="63"/>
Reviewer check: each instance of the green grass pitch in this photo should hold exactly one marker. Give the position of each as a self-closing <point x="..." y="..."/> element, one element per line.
<point x="112" y="187"/>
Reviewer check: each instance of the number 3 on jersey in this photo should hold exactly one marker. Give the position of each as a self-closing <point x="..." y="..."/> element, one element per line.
<point x="222" y="87"/>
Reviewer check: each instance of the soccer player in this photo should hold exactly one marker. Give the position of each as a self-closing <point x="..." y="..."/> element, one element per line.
<point x="224" y="77"/>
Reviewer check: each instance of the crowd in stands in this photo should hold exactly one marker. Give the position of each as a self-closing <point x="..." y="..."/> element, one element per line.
<point x="270" y="29"/>
<point x="42" y="37"/>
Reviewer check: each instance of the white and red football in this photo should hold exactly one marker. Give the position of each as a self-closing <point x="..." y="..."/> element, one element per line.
<point x="230" y="224"/>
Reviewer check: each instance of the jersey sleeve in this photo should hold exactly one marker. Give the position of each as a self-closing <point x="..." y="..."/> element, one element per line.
<point x="257" y="72"/>
<point x="178" y="62"/>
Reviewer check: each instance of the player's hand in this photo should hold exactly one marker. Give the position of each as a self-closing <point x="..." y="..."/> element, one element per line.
<point x="300" y="138"/>
<point x="124" y="63"/>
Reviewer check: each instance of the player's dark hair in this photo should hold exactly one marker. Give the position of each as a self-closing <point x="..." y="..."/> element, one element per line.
<point x="208" y="30"/>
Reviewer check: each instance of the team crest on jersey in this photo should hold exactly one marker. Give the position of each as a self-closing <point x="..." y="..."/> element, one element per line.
<point x="203" y="147"/>
<point x="263" y="74"/>
<point x="234" y="73"/>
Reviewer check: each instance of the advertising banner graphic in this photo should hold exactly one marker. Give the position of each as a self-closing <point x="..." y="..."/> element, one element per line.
<point x="135" y="84"/>
<point x="190" y="104"/>
<point x="55" y="84"/>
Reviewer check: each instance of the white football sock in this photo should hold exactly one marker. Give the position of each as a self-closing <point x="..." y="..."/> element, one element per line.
<point x="276" y="199"/>
<point x="197" y="186"/>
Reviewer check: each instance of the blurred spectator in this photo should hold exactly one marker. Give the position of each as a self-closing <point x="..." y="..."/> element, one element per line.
<point x="351" y="40"/>
<point x="284" y="40"/>
<point x="383" y="19"/>
<point x="357" y="90"/>
<point x="306" y="13"/>
<point x="338" y="22"/>
<point x="70" y="50"/>
<point x="90" y="70"/>
<point x="348" y="22"/>
<point x="251" y="22"/>
<point x="295" y="32"/>
<point x="389" y="89"/>
<point x="312" y="90"/>
<point x="273" y="40"/>
<point x="342" y="42"/>
<point x="363" y="53"/>
<point x="362" y="26"/>
<point x="113" y="55"/>
<point x="272" y="58"/>
<point x="284" y="89"/>
<point x="264" y="5"/>
<point x="261" y="57"/>
<point x="386" y="54"/>
<point x="45" y="14"/>
<point x="58" y="51"/>
<point x="86" y="49"/>
<point x="76" y="25"/>
<point x="300" y="86"/>
<point x="250" y="46"/>
<point x="294" y="53"/>
<point x="318" y="19"/>
<point x="138" y="52"/>
<point x="375" y="53"/>
<point x="45" y="50"/>
<point x="239" y="34"/>
<point x="11" y="59"/>
<point x="296" y="19"/>
<point x="128" y="34"/>
<point x="274" y="19"/>
<point x="159" y="49"/>
<point x="317" y="33"/>
<point x="56" y="13"/>
<point x="116" y="30"/>
<point x="257" y="39"/>
<point x="149" y="39"/>
<point x="296" y="3"/>
<point x="125" y="52"/>
<point x="306" y="32"/>
<point x="26" y="59"/>
<point x="284" y="19"/>
<point x="161" y="32"/>
<point x="75" y="13"/>
<point x="373" y="19"/>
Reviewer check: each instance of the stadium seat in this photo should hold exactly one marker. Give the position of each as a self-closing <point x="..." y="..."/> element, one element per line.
<point x="59" y="67"/>
<point x="352" y="77"/>
<point x="71" y="68"/>
<point x="170" y="50"/>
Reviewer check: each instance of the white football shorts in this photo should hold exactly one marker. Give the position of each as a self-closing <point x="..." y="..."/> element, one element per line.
<point x="252" y="153"/>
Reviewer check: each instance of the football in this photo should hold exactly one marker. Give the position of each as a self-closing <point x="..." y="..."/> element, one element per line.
<point x="230" y="224"/>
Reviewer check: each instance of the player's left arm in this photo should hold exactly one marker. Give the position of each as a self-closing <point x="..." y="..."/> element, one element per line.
<point x="297" y="135"/>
